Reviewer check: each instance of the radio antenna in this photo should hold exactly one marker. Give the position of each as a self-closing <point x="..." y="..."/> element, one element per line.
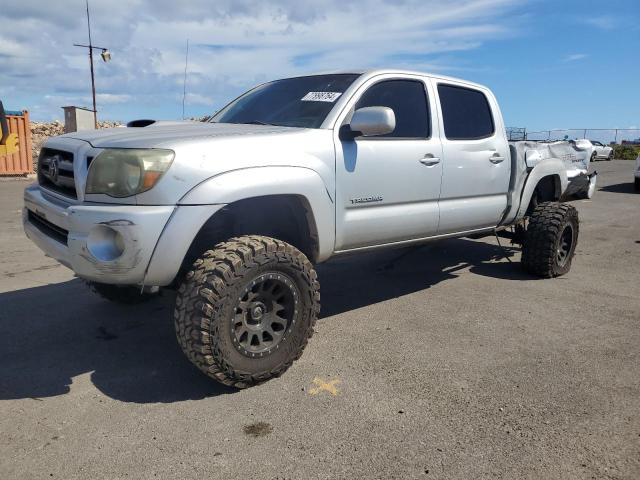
<point x="184" y="84"/>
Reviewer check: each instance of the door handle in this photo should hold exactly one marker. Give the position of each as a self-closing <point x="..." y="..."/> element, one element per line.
<point x="496" y="158"/>
<point x="429" y="160"/>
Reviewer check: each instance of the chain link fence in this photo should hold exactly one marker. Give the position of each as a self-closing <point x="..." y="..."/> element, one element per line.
<point x="606" y="136"/>
<point x="625" y="141"/>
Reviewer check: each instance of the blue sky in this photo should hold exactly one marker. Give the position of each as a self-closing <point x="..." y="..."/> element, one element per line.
<point x="552" y="64"/>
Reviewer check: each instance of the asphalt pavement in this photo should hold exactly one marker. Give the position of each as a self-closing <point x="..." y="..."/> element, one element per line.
<point x="440" y="362"/>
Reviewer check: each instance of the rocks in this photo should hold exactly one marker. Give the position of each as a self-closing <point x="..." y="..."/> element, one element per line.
<point x="40" y="131"/>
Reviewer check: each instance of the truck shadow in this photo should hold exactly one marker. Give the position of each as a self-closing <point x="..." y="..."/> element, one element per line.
<point x="356" y="281"/>
<point x="620" y="188"/>
<point x="54" y="335"/>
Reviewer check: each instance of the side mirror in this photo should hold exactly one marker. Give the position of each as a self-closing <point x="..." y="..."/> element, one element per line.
<point x="368" y="121"/>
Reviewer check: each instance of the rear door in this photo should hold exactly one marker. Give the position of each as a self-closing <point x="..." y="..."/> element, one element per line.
<point x="476" y="160"/>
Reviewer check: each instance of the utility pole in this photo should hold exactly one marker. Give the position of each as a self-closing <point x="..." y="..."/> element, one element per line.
<point x="106" y="56"/>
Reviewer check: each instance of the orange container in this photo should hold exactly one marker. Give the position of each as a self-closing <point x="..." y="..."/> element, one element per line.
<point x="20" y="163"/>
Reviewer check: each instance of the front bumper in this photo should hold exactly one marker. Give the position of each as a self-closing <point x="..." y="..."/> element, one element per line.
<point x="104" y="243"/>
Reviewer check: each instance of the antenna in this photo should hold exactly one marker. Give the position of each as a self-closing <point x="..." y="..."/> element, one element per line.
<point x="184" y="84"/>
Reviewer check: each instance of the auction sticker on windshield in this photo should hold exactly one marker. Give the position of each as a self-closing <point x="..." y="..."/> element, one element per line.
<point x="321" y="97"/>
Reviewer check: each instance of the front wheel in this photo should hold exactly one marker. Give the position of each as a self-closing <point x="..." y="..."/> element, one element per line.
<point x="246" y="310"/>
<point x="550" y="240"/>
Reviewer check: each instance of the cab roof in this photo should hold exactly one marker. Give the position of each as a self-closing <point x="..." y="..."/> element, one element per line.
<point x="368" y="73"/>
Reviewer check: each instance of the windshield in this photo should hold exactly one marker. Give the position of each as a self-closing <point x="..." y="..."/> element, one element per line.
<point x="292" y="102"/>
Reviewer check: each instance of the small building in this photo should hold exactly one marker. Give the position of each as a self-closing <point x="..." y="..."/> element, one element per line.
<point x="78" y="118"/>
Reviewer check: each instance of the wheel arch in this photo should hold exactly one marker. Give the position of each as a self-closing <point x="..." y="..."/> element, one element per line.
<point x="546" y="182"/>
<point x="287" y="217"/>
<point x="289" y="203"/>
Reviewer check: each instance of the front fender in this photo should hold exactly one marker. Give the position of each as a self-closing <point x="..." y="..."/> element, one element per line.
<point x="252" y="182"/>
<point x="545" y="168"/>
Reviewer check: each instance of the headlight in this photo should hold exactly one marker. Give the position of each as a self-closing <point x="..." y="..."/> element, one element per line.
<point x="123" y="172"/>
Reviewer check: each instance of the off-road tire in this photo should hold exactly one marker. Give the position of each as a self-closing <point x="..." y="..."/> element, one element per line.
<point x="206" y="308"/>
<point x="544" y="239"/>
<point x="125" y="294"/>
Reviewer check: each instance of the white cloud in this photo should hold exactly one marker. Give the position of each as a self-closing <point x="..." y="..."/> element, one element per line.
<point x="234" y="45"/>
<point x="602" y="22"/>
<point x="197" y="99"/>
<point x="112" y="98"/>
<point x="575" y="57"/>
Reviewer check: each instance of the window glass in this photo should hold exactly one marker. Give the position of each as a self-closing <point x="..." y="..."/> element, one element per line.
<point x="408" y="100"/>
<point x="292" y="102"/>
<point x="466" y="113"/>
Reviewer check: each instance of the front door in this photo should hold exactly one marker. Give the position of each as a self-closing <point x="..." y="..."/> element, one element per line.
<point x="388" y="186"/>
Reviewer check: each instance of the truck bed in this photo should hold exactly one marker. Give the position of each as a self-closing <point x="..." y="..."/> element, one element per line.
<point x="576" y="155"/>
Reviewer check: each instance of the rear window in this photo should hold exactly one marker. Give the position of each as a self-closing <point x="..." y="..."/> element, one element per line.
<point x="466" y="113"/>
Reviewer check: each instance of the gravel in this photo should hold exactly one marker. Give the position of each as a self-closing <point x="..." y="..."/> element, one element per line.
<point x="41" y="131"/>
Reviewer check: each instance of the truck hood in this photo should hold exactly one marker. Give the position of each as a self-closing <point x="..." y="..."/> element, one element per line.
<point x="167" y="134"/>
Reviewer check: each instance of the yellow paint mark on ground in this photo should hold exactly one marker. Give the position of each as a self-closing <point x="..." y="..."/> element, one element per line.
<point x="330" y="386"/>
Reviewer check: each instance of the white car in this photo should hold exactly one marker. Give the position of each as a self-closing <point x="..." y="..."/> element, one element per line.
<point x="636" y="174"/>
<point x="601" y="151"/>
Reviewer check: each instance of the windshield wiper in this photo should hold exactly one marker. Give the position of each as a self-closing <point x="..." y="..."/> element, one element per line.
<point x="258" y="122"/>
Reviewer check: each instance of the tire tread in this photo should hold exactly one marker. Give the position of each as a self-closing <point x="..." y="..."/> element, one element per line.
<point x="208" y="285"/>
<point x="545" y="225"/>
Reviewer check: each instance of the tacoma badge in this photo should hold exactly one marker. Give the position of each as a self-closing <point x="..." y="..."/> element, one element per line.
<point x="374" y="198"/>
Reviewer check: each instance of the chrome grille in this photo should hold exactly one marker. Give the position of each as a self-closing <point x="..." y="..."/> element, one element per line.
<point x="55" y="171"/>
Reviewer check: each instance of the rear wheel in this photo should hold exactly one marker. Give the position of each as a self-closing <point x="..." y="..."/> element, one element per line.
<point x="637" y="184"/>
<point x="610" y="157"/>
<point x="550" y="240"/>
<point x="246" y="310"/>
<point x="594" y="156"/>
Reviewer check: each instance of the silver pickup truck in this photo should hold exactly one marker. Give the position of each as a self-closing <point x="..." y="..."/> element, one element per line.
<point x="234" y="213"/>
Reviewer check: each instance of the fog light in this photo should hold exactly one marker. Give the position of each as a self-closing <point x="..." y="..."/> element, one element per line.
<point x="105" y="243"/>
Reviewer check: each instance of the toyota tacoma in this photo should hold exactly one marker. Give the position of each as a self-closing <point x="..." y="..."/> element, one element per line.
<point x="234" y="213"/>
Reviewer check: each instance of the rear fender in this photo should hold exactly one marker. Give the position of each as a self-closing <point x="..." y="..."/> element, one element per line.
<point x="549" y="167"/>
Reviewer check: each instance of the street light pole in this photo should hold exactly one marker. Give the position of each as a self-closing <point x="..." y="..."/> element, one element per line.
<point x="106" y="56"/>
<point x="93" y="78"/>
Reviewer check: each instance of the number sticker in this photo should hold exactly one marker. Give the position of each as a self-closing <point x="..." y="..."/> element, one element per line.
<point x="321" y="97"/>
